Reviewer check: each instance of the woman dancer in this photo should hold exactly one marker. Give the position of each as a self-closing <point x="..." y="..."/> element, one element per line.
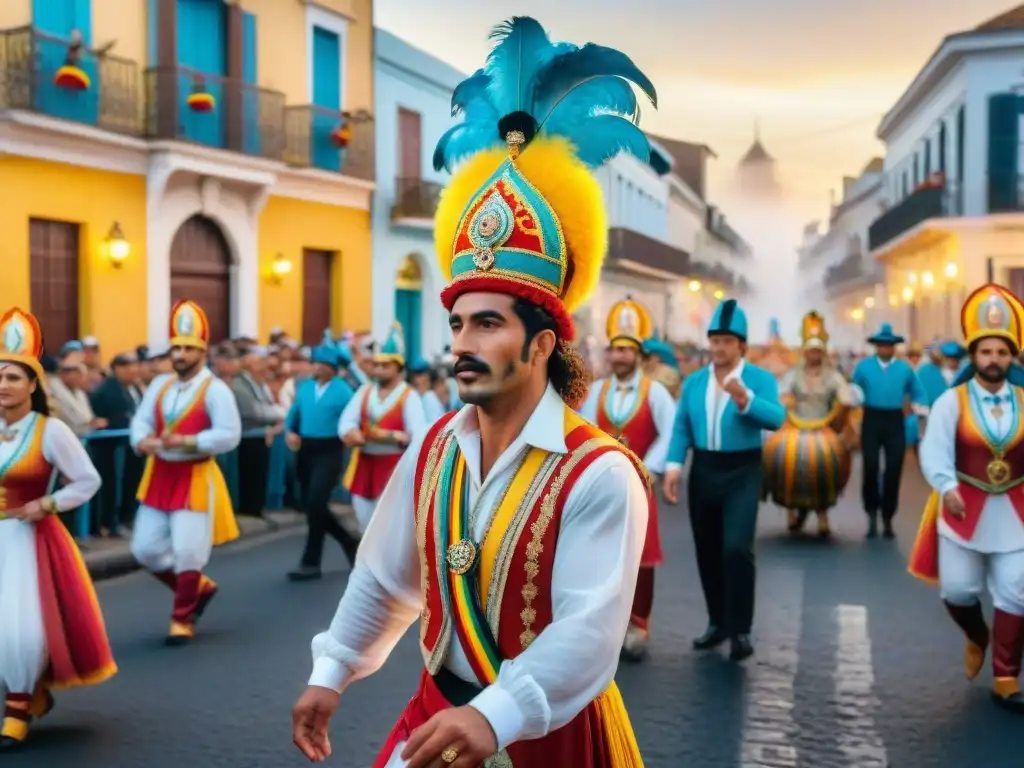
<point x="51" y="630"/>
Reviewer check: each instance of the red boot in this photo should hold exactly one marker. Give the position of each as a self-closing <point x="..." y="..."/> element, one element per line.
<point x="1007" y="649"/>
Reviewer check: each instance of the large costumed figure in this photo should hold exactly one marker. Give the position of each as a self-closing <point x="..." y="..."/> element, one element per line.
<point x="806" y="463"/>
<point x="513" y="529"/>
<point x="971" y="537"/>
<point x="51" y="629"/>
<point x="639" y="412"/>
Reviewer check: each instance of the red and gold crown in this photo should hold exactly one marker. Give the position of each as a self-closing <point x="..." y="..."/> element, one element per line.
<point x="189" y="326"/>
<point x="813" y="332"/>
<point x="992" y="311"/>
<point x="21" y="340"/>
<point x="629" y="324"/>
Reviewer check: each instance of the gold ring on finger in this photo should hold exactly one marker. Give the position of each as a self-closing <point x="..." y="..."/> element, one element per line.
<point x="449" y="756"/>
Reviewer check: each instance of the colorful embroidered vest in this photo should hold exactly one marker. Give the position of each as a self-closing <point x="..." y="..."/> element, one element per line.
<point x="29" y="474"/>
<point x="191" y="420"/>
<point x="982" y="468"/>
<point x="637" y="431"/>
<point x="392" y="420"/>
<point x="497" y="609"/>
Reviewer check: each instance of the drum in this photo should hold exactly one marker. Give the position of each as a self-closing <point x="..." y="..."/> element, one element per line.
<point x="806" y="464"/>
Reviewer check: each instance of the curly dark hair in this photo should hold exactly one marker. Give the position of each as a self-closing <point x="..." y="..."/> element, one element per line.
<point x="567" y="371"/>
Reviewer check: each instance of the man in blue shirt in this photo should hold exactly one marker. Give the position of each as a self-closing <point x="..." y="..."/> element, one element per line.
<point x="886" y="382"/>
<point x="312" y="431"/>
<point x="722" y="413"/>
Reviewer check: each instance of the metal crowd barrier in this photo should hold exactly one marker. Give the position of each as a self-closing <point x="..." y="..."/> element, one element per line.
<point x="277" y="479"/>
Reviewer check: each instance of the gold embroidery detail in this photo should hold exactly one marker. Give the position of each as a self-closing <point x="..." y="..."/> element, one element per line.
<point x="539" y="528"/>
<point x="433" y="657"/>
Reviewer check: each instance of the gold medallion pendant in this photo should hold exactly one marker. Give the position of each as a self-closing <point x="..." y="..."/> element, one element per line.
<point x="461" y="557"/>
<point x="998" y="471"/>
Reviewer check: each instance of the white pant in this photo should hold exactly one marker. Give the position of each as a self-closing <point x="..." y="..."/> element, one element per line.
<point x="963" y="574"/>
<point x="364" y="509"/>
<point x="180" y="541"/>
<point x="23" y="651"/>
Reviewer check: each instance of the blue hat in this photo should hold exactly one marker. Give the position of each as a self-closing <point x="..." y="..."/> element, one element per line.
<point x="393" y="348"/>
<point x="662" y="350"/>
<point x="952" y="349"/>
<point x="418" y="365"/>
<point x="325" y="354"/>
<point x="728" y="320"/>
<point x="885" y="335"/>
<point x="774" y="329"/>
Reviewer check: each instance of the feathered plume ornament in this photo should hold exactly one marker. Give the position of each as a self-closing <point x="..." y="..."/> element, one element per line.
<point x="531" y="86"/>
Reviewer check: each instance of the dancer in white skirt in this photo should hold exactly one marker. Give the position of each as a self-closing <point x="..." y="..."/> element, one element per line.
<point x="51" y="629"/>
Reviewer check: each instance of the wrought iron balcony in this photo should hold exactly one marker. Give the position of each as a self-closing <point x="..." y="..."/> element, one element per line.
<point x="102" y="91"/>
<point x="415" y="199"/>
<point x="222" y="112"/>
<point x="627" y="245"/>
<point x="713" y="273"/>
<point x="329" y="140"/>
<point x="926" y="203"/>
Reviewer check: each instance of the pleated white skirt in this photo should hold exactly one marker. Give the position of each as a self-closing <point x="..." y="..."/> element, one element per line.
<point x="23" y="652"/>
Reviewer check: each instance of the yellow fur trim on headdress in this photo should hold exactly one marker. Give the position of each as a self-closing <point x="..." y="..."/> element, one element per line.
<point x="568" y="186"/>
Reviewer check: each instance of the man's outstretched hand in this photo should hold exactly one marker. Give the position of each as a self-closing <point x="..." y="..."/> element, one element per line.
<point x="311" y="718"/>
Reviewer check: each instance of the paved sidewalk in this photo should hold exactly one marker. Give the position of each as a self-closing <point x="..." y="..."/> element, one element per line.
<point x="107" y="558"/>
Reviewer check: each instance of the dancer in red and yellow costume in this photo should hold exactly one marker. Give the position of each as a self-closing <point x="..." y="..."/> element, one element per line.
<point x="638" y="411"/>
<point x="972" y="532"/>
<point x="378" y="424"/>
<point x="51" y="631"/>
<point x="186" y="419"/>
<point x="514" y="529"/>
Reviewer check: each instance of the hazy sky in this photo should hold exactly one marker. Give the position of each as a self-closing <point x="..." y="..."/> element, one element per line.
<point x="817" y="74"/>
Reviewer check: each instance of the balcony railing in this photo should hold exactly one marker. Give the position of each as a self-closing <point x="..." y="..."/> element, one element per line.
<point x="29" y="61"/>
<point x="628" y="245"/>
<point x="415" y="199"/>
<point x="241" y="117"/>
<point x="341" y="142"/>
<point x="714" y="273"/>
<point x="927" y="203"/>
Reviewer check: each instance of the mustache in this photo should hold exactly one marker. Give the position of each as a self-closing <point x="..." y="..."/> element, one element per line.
<point x="470" y="364"/>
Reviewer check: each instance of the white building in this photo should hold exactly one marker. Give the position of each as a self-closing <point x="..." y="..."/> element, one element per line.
<point x="839" y="277"/>
<point x="412" y="110"/>
<point x="952" y="186"/>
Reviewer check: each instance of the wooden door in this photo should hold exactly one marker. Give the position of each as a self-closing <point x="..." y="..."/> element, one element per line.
<point x="410" y="144"/>
<point x="53" y="278"/>
<point x="1016" y="281"/>
<point x="201" y="271"/>
<point x="316" y="294"/>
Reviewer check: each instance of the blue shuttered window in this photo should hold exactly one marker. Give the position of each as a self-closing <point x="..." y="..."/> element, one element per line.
<point x="1003" y="138"/>
<point x="409" y="312"/>
<point x="55" y="20"/>
<point x="327" y="95"/>
<point x="202" y="52"/>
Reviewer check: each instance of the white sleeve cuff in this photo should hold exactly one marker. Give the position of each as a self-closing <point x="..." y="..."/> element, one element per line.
<point x="328" y="673"/>
<point x="669" y="466"/>
<point x="750" y="402"/>
<point x="949" y="485"/>
<point x="502" y="711"/>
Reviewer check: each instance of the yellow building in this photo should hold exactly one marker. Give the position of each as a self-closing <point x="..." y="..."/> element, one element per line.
<point x="218" y="151"/>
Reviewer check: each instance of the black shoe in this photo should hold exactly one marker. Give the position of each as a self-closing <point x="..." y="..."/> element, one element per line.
<point x="888" y="532"/>
<point x="8" y="744"/>
<point x="1012" y="703"/>
<point x="741" y="648"/>
<point x="872" y="527"/>
<point x="305" y="573"/>
<point x="711" y="638"/>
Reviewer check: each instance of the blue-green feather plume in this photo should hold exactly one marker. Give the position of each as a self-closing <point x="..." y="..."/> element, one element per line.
<point x="544" y="88"/>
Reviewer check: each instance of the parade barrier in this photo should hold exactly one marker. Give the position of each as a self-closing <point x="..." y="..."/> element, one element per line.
<point x="280" y="473"/>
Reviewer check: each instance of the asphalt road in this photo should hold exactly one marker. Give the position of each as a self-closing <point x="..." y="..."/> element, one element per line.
<point x="856" y="665"/>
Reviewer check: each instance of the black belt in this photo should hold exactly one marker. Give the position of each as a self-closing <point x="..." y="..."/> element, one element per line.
<point x="455" y="690"/>
<point x="726" y="459"/>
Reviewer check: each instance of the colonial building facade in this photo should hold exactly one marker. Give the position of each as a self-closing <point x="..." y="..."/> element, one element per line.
<point x="413" y="109"/>
<point x="187" y="148"/>
<point x="952" y="190"/>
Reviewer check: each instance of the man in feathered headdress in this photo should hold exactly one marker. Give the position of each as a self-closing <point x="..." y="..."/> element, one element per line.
<point x="638" y="411"/>
<point x="514" y="528"/>
<point x="186" y="419"/>
<point x="378" y="424"/>
<point x="971" y="537"/>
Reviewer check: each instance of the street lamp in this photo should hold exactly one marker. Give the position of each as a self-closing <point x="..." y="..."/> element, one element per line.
<point x="951" y="270"/>
<point x="117" y="247"/>
<point x="908" y="294"/>
<point x="695" y="286"/>
<point x="719" y="294"/>
<point x="281" y="267"/>
<point x="928" y="279"/>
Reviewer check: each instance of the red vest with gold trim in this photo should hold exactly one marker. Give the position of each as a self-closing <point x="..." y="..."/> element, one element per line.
<point x="525" y="573"/>
<point x="638" y="432"/>
<point x="392" y="420"/>
<point x="29" y="477"/>
<point x="983" y="470"/>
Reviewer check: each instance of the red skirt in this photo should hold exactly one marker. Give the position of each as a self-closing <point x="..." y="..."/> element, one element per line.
<point x="75" y="634"/>
<point x="586" y="742"/>
<point x="652" y="554"/>
<point x="372" y="473"/>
